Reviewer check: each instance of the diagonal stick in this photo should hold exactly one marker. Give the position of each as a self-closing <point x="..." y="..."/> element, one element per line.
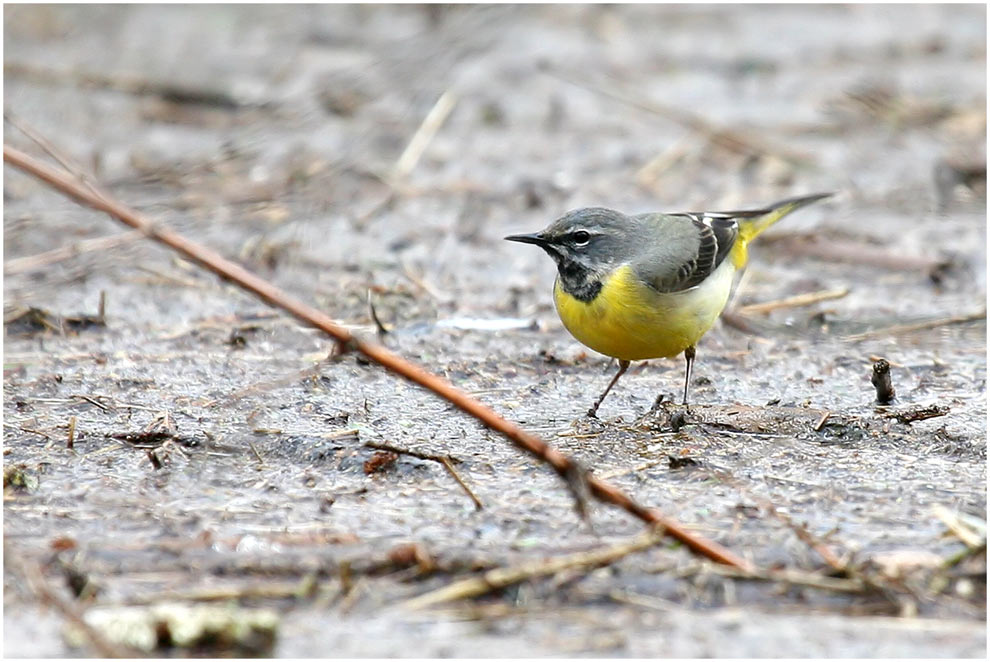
<point x="205" y="257"/>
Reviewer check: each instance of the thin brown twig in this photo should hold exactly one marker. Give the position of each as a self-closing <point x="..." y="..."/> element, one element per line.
<point x="382" y="330"/>
<point x="460" y="481"/>
<point x="793" y="302"/>
<point x="93" y="401"/>
<point x="11" y="426"/>
<point x="64" y="160"/>
<point x="500" y="578"/>
<point x="899" y="329"/>
<point x="446" y="460"/>
<point x="422" y="455"/>
<point x="48" y="258"/>
<point x="265" y="291"/>
<point x="254" y="449"/>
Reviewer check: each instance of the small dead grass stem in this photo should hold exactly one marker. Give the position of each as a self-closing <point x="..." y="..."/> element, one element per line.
<point x="499" y="578"/>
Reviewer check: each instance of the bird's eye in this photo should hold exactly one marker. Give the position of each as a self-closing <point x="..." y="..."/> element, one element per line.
<point x="581" y="238"/>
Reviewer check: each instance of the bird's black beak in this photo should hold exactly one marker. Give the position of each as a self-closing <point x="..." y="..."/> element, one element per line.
<point x="534" y="238"/>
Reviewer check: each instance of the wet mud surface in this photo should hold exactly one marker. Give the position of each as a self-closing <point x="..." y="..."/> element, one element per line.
<point x="221" y="456"/>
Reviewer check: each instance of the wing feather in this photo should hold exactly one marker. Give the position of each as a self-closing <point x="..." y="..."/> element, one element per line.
<point x="715" y="238"/>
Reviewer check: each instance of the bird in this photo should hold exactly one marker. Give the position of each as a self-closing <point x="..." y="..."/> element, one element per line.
<point x="648" y="286"/>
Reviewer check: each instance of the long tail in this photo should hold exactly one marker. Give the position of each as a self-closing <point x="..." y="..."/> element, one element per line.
<point x="754" y="222"/>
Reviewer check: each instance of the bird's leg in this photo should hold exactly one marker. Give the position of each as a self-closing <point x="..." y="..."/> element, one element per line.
<point x="623" y="366"/>
<point x="689" y="357"/>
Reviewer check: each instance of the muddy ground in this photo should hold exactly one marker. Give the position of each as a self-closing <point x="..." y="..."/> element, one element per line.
<point x="220" y="459"/>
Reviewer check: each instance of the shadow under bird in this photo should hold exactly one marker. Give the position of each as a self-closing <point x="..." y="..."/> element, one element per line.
<point x="651" y="285"/>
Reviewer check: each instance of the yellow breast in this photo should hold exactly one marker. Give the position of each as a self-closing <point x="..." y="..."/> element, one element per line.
<point x="630" y="321"/>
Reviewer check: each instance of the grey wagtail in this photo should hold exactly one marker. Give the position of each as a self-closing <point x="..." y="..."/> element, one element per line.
<point x="649" y="286"/>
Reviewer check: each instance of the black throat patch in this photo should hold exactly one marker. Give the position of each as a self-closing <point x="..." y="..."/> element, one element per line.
<point x="579" y="281"/>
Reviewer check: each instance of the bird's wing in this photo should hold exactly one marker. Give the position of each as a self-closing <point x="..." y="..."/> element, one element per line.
<point x="724" y="227"/>
<point x="693" y="246"/>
